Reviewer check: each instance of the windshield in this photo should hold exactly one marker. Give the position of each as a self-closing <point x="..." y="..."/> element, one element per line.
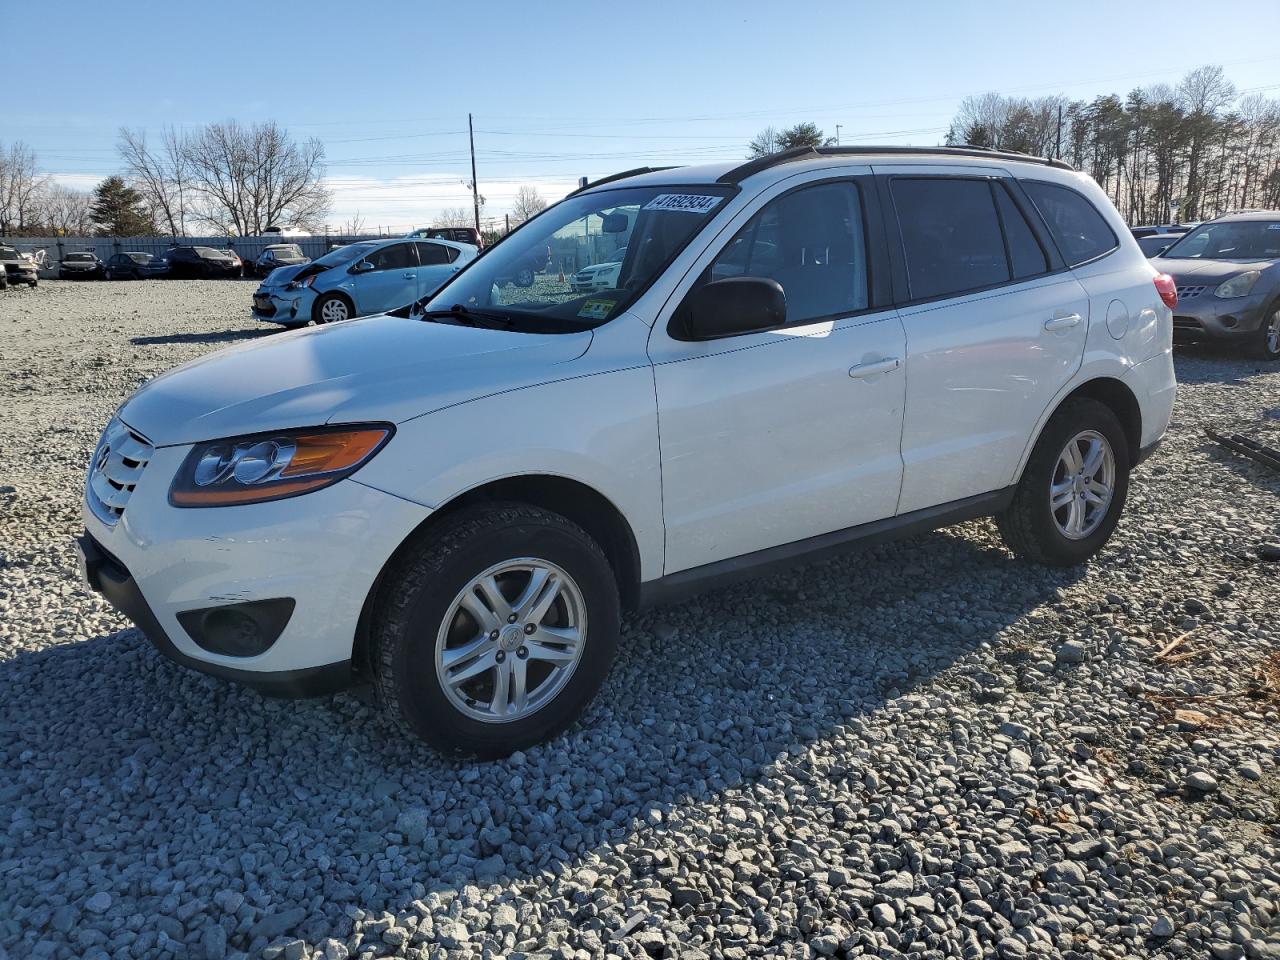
<point x="8" y="253"/>
<point x="1232" y="240"/>
<point x="340" y="255"/>
<point x="140" y="257"/>
<point x="287" y="250"/>
<point x="528" y="278"/>
<point x="78" y="256"/>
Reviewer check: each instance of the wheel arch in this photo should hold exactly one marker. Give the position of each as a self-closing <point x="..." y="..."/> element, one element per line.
<point x="572" y="499"/>
<point x="342" y="294"/>
<point x="1113" y="393"/>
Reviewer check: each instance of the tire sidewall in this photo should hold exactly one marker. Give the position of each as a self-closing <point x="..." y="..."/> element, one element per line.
<point x="418" y="691"/>
<point x="1086" y="415"/>
<point x="1262" y="351"/>
<point x="318" y="310"/>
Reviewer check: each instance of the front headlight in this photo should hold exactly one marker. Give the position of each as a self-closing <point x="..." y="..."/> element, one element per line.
<point x="1237" y="286"/>
<point x="271" y="466"/>
<point x="299" y="284"/>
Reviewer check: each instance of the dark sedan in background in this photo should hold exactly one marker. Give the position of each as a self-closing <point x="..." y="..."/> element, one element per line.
<point x="135" y="266"/>
<point x="201" y="263"/>
<point x="1228" y="276"/>
<point x="279" y="255"/>
<point x="80" y="265"/>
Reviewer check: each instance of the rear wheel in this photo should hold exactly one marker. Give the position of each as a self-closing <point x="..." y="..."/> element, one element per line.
<point x="524" y="277"/>
<point x="331" y="308"/>
<point x="1073" y="489"/>
<point x="495" y="630"/>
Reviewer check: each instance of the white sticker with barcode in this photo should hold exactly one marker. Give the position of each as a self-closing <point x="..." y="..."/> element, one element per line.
<point x="683" y="202"/>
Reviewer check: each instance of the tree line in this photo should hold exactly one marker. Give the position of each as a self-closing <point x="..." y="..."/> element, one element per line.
<point x="1189" y="151"/>
<point x="226" y="179"/>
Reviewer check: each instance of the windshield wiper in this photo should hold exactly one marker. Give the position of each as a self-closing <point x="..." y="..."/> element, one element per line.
<point x="471" y="318"/>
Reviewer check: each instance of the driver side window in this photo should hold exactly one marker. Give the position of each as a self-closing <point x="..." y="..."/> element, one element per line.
<point x="398" y="256"/>
<point x="811" y="241"/>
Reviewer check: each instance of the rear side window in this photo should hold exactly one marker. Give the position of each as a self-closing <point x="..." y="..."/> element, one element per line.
<point x="950" y="235"/>
<point x="432" y="254"/>
<point x="1081" y="232"/>
<point x="1025" y="253"/>
<point x="811" y="242"/>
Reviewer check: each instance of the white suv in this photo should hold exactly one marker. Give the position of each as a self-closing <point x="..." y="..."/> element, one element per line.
<point x="455" y="501"/>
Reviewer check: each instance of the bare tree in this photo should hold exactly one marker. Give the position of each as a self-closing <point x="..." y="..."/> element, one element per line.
<point x="764" y="143"/>
<point x="353" y="226"/>
<point x="20" y="185"/>
<point x="161" y="176"/>
<point x="454" y="217"/>
<point x="528" y="203"/>
<point x="64" y="212"/>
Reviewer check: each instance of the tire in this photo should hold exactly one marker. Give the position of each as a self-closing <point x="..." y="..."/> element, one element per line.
<point x="1267" y="345"/>
<point x="33" y="284"/>
<point x="1035" y="531"/>
<point x="426" y="587"/>
<point x="332" y="308"/>
<point x="524" y="277"/>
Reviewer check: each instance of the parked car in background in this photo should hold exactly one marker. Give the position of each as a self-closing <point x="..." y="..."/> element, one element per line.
<point x="279" y="255"/>
<point x="135" y="266"/>
<point x="18" y="267"/>
<point x="457" y="234"/>
<point x="1227" y="271"/>
<point x="599" y="276"/>
<point x="80" y="265"/>
<point x="521" y="270"/>
<point x="235" y="258"/>
<point x="457" y="500"/>
<point x="1153" y="244"/>
<point x="371" y="276"/>
<point x="200" y="263"/>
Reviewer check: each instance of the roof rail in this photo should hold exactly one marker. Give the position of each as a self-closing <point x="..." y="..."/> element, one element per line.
<point x="741" y="172"/>
<point x="619" y="176"/>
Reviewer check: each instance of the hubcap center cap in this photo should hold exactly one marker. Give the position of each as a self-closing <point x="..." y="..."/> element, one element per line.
<point x="511" y="637"/>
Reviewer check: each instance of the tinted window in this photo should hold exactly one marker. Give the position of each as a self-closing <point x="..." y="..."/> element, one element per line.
<point x="398" y="256"/>
<point x="1025" y="253"/>
<point x="950" y="235"/>
<point x="1077" y="226"/>
<point x="811" y="242"/>
<point x="432" y="254"/>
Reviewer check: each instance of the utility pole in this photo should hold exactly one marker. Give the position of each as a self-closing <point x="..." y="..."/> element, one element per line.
<point x="838" y="134"/>
<point x="475" y="187"/>
<point x="1057" y="152"/>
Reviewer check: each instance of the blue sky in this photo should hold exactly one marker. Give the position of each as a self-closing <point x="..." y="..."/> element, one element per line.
<point x="570" y="89"/>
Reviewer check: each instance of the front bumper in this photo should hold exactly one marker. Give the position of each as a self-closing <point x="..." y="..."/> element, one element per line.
<point x="283" y="306"/>
<point x="1202" y="316"/>
<point x="23" y="273"/>
<point x="324" y="550"/>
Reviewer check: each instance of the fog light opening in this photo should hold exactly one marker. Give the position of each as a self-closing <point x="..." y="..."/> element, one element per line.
<point x="238" y="629"/>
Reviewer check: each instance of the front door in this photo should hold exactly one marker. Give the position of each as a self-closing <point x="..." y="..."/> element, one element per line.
<point x="773" y="437"/>
<point x="392" y="283"/>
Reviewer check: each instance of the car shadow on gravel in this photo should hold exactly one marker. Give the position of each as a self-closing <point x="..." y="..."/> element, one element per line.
<point x="117" y="749"/>
<point x="220" y="336"/>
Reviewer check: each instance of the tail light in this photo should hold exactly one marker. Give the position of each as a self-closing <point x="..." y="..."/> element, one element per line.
<point x="1167" y="289"/>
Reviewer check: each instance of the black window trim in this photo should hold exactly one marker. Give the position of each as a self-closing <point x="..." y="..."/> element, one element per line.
<point x="998" y="185"/>
<point x="897" y="251"/>
<point x="879" y="294"/>
<point x="1115" y="245"/>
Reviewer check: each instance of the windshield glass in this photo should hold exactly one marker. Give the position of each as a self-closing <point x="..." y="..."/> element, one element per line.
<point x="285" y="250"/>
<point x="528" y="278"/>
<point x="340" y="255"/>
<point x="8" y="253"/>
<point x="1233" y="240"/>
<point x="78" y="256"/>
<point x="140" y="257"/>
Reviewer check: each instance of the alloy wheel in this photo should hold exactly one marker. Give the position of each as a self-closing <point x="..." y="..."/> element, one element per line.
<point x="511" y="640"/>
<point x="1083" y="484"/>
<point x="334" y="311"/>
<point x="1272" y="339"/>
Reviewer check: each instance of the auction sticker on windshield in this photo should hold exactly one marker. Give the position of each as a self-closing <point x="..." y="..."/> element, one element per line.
<point x="596" y="309"/>
<point x="683" y="202"/>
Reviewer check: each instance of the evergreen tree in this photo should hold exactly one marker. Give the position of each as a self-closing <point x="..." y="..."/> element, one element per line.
<point x="119" y="211"/>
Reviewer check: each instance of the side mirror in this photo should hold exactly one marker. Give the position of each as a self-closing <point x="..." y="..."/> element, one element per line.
<point x="361" y="266"/>
<point x="1160" y="252"/>
<point x="735" y="305"/>
<point x="614" y="223"/>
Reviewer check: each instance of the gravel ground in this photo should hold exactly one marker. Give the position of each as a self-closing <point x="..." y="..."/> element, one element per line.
<point x="924" y="749"/>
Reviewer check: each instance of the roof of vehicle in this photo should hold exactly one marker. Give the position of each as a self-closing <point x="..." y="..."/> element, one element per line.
<point x="1248" y="215"/>
<point x="734" y="173"/>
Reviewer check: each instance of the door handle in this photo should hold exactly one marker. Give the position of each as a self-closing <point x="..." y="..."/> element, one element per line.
<point x="1062" y="323"/>
<point x="862" y="371"/>
<point x="409" y="276"/>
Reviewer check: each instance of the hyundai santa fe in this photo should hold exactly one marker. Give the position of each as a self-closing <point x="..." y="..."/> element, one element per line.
<point x="455" y="501"/>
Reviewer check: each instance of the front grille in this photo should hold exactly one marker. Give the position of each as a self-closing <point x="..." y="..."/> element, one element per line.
<point x="117" y="467"/>
<point x="1186" y="293"/>
<point x="1187" y="323"/>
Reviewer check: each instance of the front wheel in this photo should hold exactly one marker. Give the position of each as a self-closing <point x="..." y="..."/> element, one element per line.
<point x="1073" y="489"/>
<point x="524" y="277"/>
<point x="495" y="630"/>
<point x="331" y="308"/>
<point x="1268" y="344"/>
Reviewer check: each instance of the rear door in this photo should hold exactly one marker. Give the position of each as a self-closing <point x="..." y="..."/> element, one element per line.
<point x="436" y="264"/>
<point x="995" y="327"/>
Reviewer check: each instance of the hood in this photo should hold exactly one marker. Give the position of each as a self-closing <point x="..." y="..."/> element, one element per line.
<point x="1206" y="272"/>
<point x="376" y="368"/>
<point x="282" y="275"/>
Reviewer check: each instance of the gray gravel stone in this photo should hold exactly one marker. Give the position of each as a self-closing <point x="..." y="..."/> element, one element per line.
<point x="1201" y="781"/>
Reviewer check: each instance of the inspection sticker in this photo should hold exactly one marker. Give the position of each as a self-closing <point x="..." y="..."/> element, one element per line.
<point x="596" y="309"/>
<point x="1273" y="226"/>
<point x="683" y="202"/>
